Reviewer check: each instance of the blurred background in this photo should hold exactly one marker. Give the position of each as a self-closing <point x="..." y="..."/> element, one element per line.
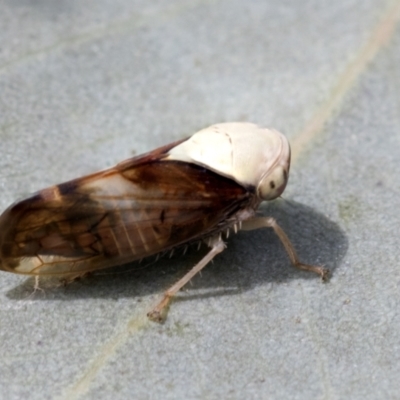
<point x="86" y="84"/>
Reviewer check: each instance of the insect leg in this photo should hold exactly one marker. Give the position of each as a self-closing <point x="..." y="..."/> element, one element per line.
<point x="157" y="314"/>
<point x="36" y="287"/>
<point x="268" y="222"/>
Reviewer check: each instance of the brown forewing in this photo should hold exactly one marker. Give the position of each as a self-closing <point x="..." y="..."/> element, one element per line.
<point x="140" y="207"/>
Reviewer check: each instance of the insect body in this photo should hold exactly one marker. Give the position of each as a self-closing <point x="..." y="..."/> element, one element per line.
<point x="196" y="188"/>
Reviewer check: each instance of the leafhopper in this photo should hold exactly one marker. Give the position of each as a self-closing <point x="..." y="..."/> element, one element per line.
<point x="199" y="188"/>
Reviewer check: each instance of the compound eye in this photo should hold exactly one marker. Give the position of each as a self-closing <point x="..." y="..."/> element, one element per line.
<point x="273" y="184"/>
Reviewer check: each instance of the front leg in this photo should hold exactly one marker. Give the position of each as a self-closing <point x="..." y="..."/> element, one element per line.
<point x="269" y="222"/>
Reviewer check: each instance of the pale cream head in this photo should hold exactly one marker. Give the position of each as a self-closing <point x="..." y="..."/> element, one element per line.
<point x="244" y="152"/>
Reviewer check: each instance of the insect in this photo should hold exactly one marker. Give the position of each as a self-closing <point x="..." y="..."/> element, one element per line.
<point x="197" y="188"/>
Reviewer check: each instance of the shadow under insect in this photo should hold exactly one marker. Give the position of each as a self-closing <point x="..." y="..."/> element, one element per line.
<point x="250" y="259"/>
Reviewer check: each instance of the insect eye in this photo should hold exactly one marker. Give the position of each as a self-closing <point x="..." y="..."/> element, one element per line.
<point x="273" y="184"/>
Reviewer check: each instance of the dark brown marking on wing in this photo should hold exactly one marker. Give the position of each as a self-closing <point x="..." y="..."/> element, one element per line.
<point x="68" y="187"/>
<point x="162" y="216"/>
<point x="141" y="207"/>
